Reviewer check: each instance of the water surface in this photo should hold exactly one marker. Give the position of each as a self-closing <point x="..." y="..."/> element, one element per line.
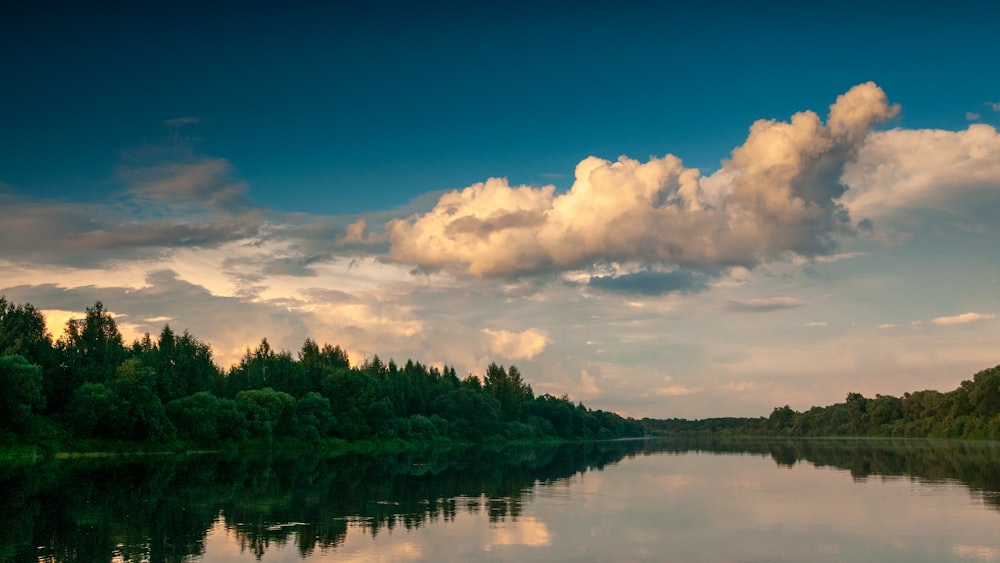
<point x="654" y="500"/>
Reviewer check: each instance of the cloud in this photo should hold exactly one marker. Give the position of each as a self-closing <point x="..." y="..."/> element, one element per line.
<point x="203" y="184"/>
<point x="674" y="391"/>
<point x="972" y="116"/>
<point x="777" y="194"/>
<point x="740" y="386"/>
<point x="154" y="234"/>
<point x="165" y="206"/>
<point x="763" y="305"/>
<point x="902" y="171"/>
<point x="964" y="318"/>
<point x="516" y="345"/>
<point x="292" y="266"/>
<point x="587" y="388"/>
<point x="652" y="283"/>
<point x="979" y="552"/>
<point x="356" y="233"/>
<point x="995" y="106"/>
<point x="816" y="324"/>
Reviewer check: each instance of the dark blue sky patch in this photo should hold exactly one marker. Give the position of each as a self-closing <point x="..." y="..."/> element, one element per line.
<point x="653" y="283"/>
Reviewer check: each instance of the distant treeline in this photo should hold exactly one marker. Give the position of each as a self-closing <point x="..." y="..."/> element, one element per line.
<point x="972" y="411"/>
<point x="90" y="385"/>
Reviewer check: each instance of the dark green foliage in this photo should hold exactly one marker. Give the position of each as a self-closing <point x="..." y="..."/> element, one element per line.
<point x="315" y="417"/>
<point x="263" y="367"/>
<point x="168" y="388"/>
<point x="93" y="411"/>
<point x="163" y="508"/>
<point x="23" y="333"/>
<point x="317" y="363"/>
<point x="971" y="411"/>
<point x="984" y="392"/>
<point x="125" y="408"/>
<point x="470" y="412"/>
<point x="268" y="412"/>
<point x="508" y="389"/>
<point x="183" y="365"/>
<point x="92" y="348"/>
<point x="142" y="416"/>
<point x="21" y="385"/>
<point x="206" y="419"/>
<point x="89" y="351"/>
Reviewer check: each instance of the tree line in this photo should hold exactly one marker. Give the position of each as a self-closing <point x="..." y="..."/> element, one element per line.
<point x="89" y="385"/>
<point x="971" y="411"/>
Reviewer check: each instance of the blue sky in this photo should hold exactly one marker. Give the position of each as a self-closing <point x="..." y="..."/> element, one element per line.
<point x="442" y="182"/>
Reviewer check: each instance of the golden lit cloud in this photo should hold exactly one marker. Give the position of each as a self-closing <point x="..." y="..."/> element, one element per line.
<point x="516" y="345"/>
<point x="777" y="194"/>
<point x="964" y="318"/>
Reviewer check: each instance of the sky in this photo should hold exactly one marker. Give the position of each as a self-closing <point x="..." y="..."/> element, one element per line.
<point x="662" y="211"/>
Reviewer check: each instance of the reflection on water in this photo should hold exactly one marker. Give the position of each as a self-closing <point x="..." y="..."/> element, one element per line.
<point x="610" y="501"/>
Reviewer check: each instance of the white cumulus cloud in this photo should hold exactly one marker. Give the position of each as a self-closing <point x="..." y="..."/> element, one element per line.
<point x="516" y="345"/>
<point x="777" y="194"/>
<point x="907" y="169"/>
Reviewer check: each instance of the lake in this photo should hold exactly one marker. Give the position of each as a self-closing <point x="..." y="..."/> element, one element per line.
<point x="643" y="500"/>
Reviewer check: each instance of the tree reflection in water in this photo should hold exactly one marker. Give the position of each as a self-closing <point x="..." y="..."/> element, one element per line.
<point x="162" y="508"/>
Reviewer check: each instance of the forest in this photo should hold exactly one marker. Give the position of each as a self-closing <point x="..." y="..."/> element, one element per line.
<point x="89" y="389"/>
<point x="971" y="411"/>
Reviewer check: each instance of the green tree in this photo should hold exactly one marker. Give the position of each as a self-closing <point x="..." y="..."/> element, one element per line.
<point x="985" y="393"/>
<point x="317" y="362"/>
<point x="263" y="367"/>
<point x="556" y="411"/>
<point x="92" y="412"/>
<point x="268" y="412"/>
<point x="90" y="351"/>
<point x="508" y="389"/>
<point x="857" y="409"/>
<point x="206" y="419"/>
<point x="21" y="383"/>
<point x="781" y="420"/>
<point x="470" y="413"/>
<point x="23" y="332"/>
<point x="315" y="417"/>
<point x="884" y="411"/>
<point x="142" y="415"/>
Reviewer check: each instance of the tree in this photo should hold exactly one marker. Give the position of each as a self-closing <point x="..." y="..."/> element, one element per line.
<point x="90" y="350"/>
<point x="92" y="412"/>
<point x="21" y="383"/>
<point x="508" y="389"/>
<point x="142" y="416"/>
<point x="985" y="393"/>
<point x="781" y="420"/>
<point x="206" y="419"/>
<point x="263" y="367"/>
<point x="268" y="412"/>
<point x="557" y="411"/>
<point x="23" y="332"/>
<point x="186" y="368"/>
<point x="857" y="409"/>
<point x="884" y="410"/>
<point x="315" y="416"/>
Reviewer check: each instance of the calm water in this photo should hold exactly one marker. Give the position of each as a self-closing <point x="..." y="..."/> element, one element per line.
<point x="618" y="501"/>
